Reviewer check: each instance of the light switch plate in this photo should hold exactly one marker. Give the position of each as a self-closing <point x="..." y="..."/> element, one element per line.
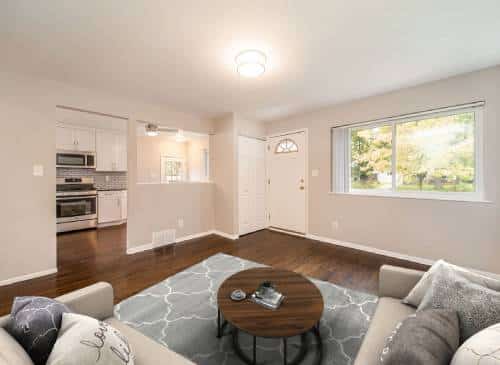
<point x="315" y="172"/>
<point x="37" y="170"/>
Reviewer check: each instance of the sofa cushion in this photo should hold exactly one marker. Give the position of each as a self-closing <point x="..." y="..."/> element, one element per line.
<point x="11" y="353"/>
<point x="389" y="313"/>
<point x="34" y="323"/>
<point x="84" y="340"/>
<point x="428" y="337"/>
<point x="147" y="351"/>
<point x="478" y="307"/>
<point x="416" y="295"/>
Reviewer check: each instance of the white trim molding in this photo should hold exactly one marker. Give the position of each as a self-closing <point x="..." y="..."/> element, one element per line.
<point x="298" y="234"/>
<point x="392" y="254"/>
<point x="34" y="275"/>
<point x="357" y="246"/>
<point x="150" y="246"/>
<point x="226" y="235"/>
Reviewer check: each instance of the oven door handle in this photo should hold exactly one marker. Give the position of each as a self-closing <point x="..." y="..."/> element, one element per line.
<point x="77" y="197"/>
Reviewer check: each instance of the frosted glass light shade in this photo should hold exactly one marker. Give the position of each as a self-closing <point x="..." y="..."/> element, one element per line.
<point x="251" y="63"/>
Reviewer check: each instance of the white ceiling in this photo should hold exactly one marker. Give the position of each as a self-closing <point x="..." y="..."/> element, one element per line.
<point x="181" y="52"/>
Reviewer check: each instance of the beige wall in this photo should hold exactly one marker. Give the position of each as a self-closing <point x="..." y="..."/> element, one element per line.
<point x="225" y="166"/>
<point x="28" y="217"/>
<point x="465" y="233"/>
<point x="224" y="174"/>
<point x="149" y="152"/>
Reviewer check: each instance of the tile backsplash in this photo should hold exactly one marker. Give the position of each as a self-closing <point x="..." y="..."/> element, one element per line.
<point x="116" y="180"/>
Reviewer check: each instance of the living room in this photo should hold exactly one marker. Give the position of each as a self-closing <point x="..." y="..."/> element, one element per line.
<point x="327" y="153"/>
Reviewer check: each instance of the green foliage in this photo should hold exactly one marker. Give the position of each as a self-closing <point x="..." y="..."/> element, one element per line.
<point x="435" y="154"/>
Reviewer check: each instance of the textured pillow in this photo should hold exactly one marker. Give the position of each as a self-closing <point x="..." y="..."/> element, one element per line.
<point x="34" y="323"/>
<point x="11" y="353"/>
<point x="482" y="348"/>
<point x="424" y="338"/>
<point x="416" y="295"/>
<point x="86" y="341"/>
<point x="477" y="307"/>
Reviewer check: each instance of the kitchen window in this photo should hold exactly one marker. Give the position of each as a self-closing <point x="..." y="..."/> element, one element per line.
<point x="435" y="154"/>
<point x="172" y="169"/>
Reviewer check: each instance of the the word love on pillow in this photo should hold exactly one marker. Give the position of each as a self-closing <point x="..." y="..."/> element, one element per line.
<point x="86" y="341"/>
<point x="99" y="342"/>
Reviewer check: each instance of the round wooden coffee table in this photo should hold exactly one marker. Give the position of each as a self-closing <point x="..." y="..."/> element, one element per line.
<point x="299" y="313"/>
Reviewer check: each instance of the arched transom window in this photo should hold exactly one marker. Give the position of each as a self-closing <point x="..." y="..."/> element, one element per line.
<point x="286" y="146"/>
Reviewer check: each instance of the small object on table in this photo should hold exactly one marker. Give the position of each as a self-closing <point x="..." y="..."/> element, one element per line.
<point x="267" y="296"/>
<point x="238" y="295"/>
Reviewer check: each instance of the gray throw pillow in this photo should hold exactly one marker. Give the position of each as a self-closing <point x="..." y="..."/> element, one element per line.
<point x="416" y="295"/>
<point x="477" y="306"/>
<point x="425" y="338"/>
<point x="34" y="323"/>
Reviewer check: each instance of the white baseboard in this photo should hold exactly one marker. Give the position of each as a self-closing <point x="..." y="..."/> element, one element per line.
<point x="150" y="246"/>
<point x="193" y="236"/>
<point x="357" y="246"/>
<point x="287" y="232"/>
<point x="34" y="275"/>
<point x="141" y="248"/>
<point x="111" y="224"/>
<point x="393" y="254"/>
<point x="226" y="235"/>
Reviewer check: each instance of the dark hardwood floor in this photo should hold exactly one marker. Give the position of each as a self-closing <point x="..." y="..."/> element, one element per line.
<point x="90" y="256"/>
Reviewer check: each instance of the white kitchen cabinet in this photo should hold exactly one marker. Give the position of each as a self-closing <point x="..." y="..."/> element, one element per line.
<point x="112" y="207"/>
<point x="111" y="150"/>
<point x="72" y="138"/>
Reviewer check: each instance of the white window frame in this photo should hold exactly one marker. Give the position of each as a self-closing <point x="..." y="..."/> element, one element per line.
<point x="341" y="165"/>
<point x="164" y="179"/>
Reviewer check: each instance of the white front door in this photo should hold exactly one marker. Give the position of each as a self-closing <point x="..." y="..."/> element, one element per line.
<point x="252" y="184"/>
<point x="286" y="166"/>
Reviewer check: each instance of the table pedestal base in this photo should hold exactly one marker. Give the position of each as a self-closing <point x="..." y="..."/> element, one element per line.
<point x="304" y="346"/>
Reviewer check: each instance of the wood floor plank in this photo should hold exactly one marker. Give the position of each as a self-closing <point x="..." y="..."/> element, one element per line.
<point x="90" y="256"/>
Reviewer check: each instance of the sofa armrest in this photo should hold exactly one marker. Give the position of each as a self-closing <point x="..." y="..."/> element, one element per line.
<point x="94" y="301"/>
<point x="396" y="282"/>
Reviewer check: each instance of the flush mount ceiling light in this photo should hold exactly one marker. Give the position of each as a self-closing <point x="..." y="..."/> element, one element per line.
<point x="251" y="63"/>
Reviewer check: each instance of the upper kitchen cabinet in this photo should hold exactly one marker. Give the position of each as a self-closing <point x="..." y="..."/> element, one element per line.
<point x="71" y="138"/>
<point x="111" y="150"/>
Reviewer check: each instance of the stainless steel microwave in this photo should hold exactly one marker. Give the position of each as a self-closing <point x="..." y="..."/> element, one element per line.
<point x="81" y="160"/>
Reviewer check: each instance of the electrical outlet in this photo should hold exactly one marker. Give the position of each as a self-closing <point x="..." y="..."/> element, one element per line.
<point x="180" y="223"/>
<point x="38" y="170"/>
<point x="335" y="225"/>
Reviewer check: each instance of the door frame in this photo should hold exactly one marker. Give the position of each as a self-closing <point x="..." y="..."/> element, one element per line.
<point x="306" y="179"/>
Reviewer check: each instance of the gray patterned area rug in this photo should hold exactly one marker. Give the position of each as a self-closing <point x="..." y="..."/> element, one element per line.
<point x="181" y="314"/>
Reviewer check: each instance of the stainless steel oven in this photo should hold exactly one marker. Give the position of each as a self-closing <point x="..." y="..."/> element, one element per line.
<point x="82" y="160"/>
<point x="76" y="204"/>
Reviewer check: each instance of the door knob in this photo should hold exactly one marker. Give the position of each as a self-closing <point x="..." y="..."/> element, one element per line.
<point x="301" y="188"/>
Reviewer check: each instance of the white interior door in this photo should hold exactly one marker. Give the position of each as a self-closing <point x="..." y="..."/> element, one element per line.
<point x="286" y="162"/>
<point x="252" y="184"/>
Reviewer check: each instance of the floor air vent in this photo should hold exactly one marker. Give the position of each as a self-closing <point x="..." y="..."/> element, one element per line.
<point x="162" y="238"/>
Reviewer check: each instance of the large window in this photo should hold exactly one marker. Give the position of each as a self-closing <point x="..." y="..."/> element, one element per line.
<point x="433" y="154"/>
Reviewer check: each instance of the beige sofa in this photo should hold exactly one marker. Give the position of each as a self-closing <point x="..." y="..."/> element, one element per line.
<point x="97" y="301"/>
<point x="394" y="284"/>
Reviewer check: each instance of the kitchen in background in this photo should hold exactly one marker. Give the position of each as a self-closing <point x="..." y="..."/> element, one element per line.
<point x="91" y="162"/>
